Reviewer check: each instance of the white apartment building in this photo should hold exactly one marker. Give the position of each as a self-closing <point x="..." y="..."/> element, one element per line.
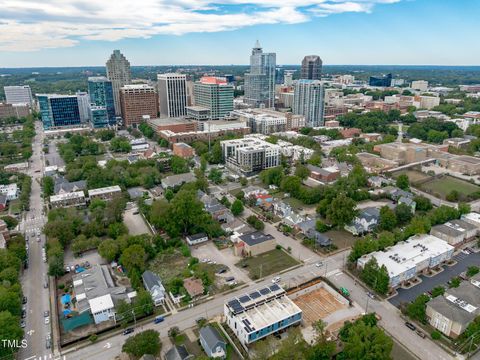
<point x="10" y="191"/>
<point x="408" y="258"/>
<point x="429" y="102"/>
<point x="104" y="193"/>
<point x="262" y="122"/>
<point x="18" y="95"/>
<point x="309" y="100"/>
<point x="294" y="152"/>
<point x="420" y="85"/>
<point x="76" y="198"/>
<point x="261" y="313"/>
<point x="250" y="155"/>
<point x="172" y="94"/>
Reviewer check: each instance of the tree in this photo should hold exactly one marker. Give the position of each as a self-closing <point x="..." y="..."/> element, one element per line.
<point x="302" y="171"/>
<point x="272" y="176"/>
<point x="416" y="309"/>
<point x="133" y="257"/>
<point x="237" y="207"/>
<point x="403" y="182"/>
<point x="364" y="342"/>
<point x="423" y="203"/>
<point x="388" y="220"/>
<point x="120" y="144"/>
<point x="169" y="194"/>
<point x="144" y="303"/>
<point x="437" y="291"/>
<point x="454" y="282"/>
<point x="108" y="249"/>
<point x="146" y="342"/>
<point x="10" y="301"/>
<point x="403" y="213"/>
<point x="10" y="221"/>
<point x="472" y="270"/>
<point x="376" y="277"/>
<point x="255" y="222"/>
<point x="179" y="165"/>
<point x="48" y="186"/>
<point x="215" y="176"/>
<point x="341" y="210"/>
<point x="184" y="213"/>
<point x="9" y="330"/>
<point x="243" y="181"/>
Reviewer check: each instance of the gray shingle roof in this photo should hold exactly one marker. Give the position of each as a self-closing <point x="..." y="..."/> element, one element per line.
<point x="255" y="238"/>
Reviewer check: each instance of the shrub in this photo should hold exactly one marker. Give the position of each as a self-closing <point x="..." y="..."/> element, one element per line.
<point x="436" y="335"/>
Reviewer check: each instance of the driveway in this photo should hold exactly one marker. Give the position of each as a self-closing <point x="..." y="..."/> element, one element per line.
<point x="428" y="283"/>
<point x="209" y="251"/>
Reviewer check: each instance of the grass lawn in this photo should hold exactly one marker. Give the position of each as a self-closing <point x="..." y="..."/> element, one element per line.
<point x="341" y="238"/>
<point x="267" y="263"/>
<point x="443" y="186"/>
<point x="15" y="207"/>
<point x="169" y="266"/>
<point x="413" y="175"/>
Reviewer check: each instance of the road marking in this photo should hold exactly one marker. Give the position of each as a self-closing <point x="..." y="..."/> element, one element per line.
<point x="30" y="332"/>
<point x="108" y="345"/>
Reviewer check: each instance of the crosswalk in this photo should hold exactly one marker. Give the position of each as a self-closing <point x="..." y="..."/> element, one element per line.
<point x="46" y="357"/>
<point x="460" y="256"/>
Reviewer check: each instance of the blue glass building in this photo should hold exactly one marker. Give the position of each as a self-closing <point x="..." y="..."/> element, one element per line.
<point x="59" y="110"/>
<point x="384" y="81"/>
<point x="101" y="97"/>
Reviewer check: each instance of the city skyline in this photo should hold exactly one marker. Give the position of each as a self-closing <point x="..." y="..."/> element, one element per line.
<point x="341" y="32"/>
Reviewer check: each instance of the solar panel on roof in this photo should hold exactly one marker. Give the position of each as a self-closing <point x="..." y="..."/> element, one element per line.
<point x="264" y="291"/>
<point x="274" y="287"/>
<point x="255" y="295"/>
<point x="244" y="299"/>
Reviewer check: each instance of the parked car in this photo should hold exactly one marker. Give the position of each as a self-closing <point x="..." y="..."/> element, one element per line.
<point x="128" y="331"/>
<point x="46" y="313"/>
<point x="421" y="334"/>
<point x="24" y="314"/>
<point x="410" y="326"/>
<point x="276" y="279"/>
<point x="319" y="264"/>
<point x="24" y="300"/>
<point x="370" y="295"/>
<point x="158" y="319"/>
<point x="23" y="324"/>
<point x="47" y="320"/>
<point x="222" y="271"/>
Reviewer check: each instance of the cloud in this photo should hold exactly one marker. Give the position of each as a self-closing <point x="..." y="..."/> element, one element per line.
<point x="30" y="25"/>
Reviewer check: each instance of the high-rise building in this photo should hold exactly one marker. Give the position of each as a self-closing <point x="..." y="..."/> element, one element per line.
<point x="18" y="95"/>
<point x="308" y="100"/>
<point x="420" y="85"/>
<point x="288" y="77"/>
<point x="83" y="106"/>
<point x="118" y="72"/>
<point x="100" y="90"/>
<point x="384" y="81"/>
<point x="215" y="94"/>
<point x="172" y="94"/>
<point x="137" y="101"/>
<point x="260" y="81"/>
<point x="58" y="110"/>
<point x="311" y="67"/>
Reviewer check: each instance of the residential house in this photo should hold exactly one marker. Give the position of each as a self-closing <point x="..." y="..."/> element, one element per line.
<point x="378" y="181"/>
<point x="409" y="202"/>
<point x="157" y="191"/>
<point x="218" y="211"/>
<point x="63" y="186"/>
<point x="196" y="239"/>
<point x="154" y="286"/>
<point x="293" y="219"/>
<point x="11" y="191"/>
<point x="254" y="244"/>
<point x="194" y="287"/>
<point x="254" y="190"/>
<point x="212" y="342"/>
<point x="178" y="352"/>
<point x="366" y="221"/>
<point x="308" y="228"/>
<point x="281" y="209"/>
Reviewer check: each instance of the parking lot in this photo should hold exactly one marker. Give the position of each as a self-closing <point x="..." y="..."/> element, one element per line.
<point x="428" y="283"/>
<point x="135" y="223"/>
<point x="209" y="251"/>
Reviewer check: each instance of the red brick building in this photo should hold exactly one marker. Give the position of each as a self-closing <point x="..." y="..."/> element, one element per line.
<point x="136" y="101"/>
<point x="183" y="150"/>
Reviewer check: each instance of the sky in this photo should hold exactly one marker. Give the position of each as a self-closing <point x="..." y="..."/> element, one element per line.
<point x="222" y="32"/>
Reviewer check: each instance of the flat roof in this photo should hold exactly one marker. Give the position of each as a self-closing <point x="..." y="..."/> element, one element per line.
<point x="66" y="196"/>
<point x="104" y="190"/>
<point x="407" y="254"/>
<point x="101" y="303"/>
<point x="170" y="121"/>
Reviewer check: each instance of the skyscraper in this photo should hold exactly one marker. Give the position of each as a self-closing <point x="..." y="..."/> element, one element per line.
<point x="138" y="101"/>
<point x="118" y="72"/>
<point x="311" y="67"/>
<point x="100" y="90"/>
<point x="58" y="110"/>
<point x="83" y="106"/>
<point x="384" y="81"/>
<point x="215" y="94"/>
<point x="260" y="81"/>
<point x="18" y="95"/>
<point x="308" y="100"/>
<point x="172" y="94"/>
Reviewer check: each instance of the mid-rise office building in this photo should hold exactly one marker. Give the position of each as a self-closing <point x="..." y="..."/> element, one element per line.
<point x="260" y="81"/>
<point x="420" y="85"/>
<point x="137" y="101"/>
<point x="18" y="95"/>
<point x="250" y="155"/>
<point x="311" y="67"/>
<point x="118" y="72"/>
<point x="384" y="81"/>
<point x="172" y="94"/>
<point x="13" y="110"/>
<point x="261" y="313"/>
<point x="100" y="90"/>
<point x="58" y="110"/>
<point x="215" y="94"/>
<point x="263" y="121"/>
<point x="309" y="100"/>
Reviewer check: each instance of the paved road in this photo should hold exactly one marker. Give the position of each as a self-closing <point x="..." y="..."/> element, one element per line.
<point x="428" y="283"/>
<point x="34" y="277"/>
<point x="391" y="321"/>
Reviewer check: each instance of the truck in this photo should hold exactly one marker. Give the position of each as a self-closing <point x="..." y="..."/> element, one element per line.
<point x="345" y="292"/>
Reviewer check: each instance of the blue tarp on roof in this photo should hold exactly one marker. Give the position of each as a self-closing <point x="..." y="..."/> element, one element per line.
<point x="65" y="299"/>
